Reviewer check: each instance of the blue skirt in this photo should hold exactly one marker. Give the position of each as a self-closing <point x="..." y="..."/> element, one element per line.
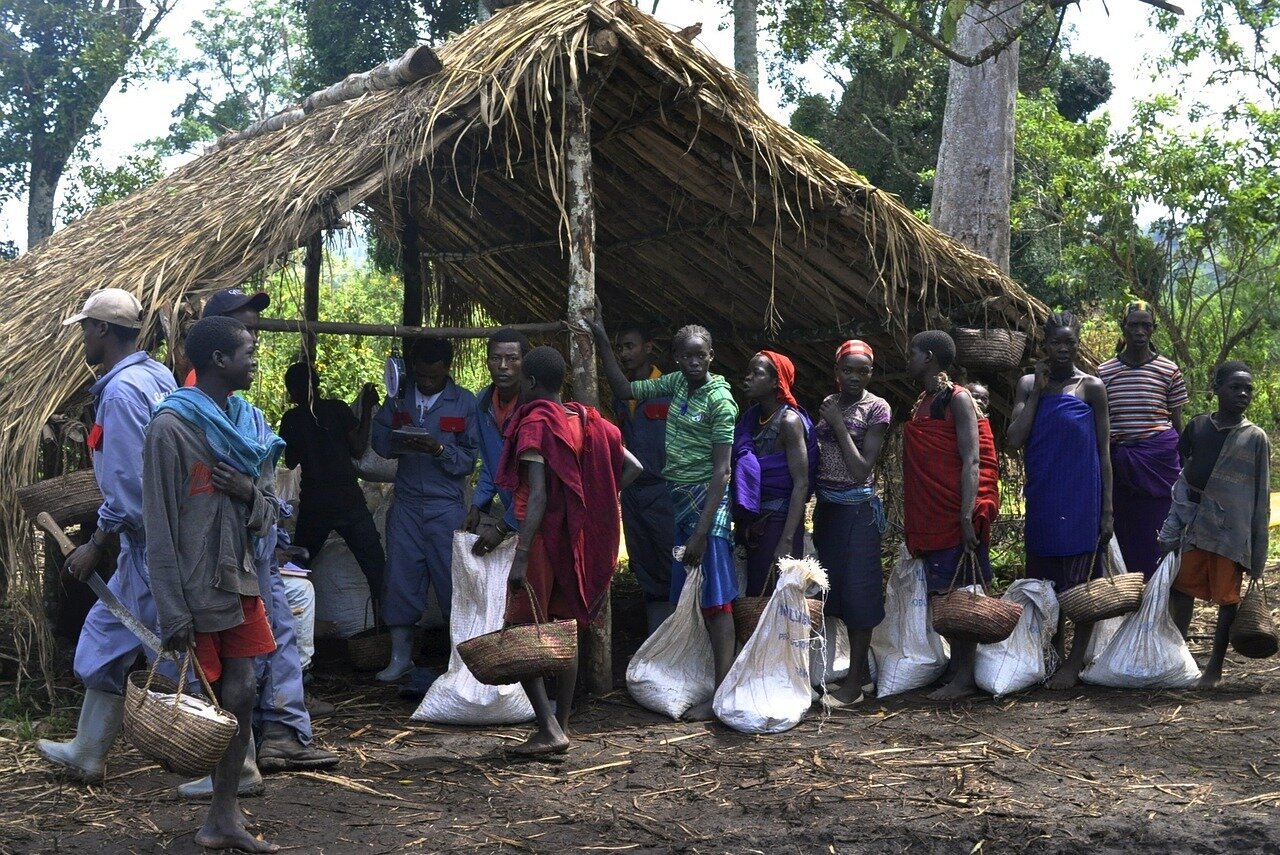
<point x="847" y="539"/>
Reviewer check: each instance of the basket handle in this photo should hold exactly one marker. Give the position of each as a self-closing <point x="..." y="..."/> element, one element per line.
<point x="968" y="562"/>
<point x="1108" y="566"/>
<point x="188" y="659"/>
<point x="538" y="619"/>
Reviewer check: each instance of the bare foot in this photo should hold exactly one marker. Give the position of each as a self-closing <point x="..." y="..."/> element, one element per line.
<point x="699" y="712"/>
<point x="215" y="835"/>
<point x="954" y="691"/>
<point x="1066" y="677"/>
<point x="1209" y="681"/>
<point x="542" y="743"/>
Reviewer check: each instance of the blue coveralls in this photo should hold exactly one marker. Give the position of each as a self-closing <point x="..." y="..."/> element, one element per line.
<point x="428" y="506"/>
<point x="124" y="399"/>
<point x="279" y="673"/>
<point x="648" y="522"/>
<point x="490" y="433"/>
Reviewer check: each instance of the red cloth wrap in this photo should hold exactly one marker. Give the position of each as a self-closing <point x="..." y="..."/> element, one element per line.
<point x="786" y="371"/>
<point x="931" y="484"/>
<point x="581" y="528"/>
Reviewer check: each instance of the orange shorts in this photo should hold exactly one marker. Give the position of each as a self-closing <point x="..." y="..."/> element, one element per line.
<point x="249" y="639"/>
<point x="1208" y="576"/>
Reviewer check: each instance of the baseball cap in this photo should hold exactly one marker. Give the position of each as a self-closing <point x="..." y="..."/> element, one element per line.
<point x="233" y="300"/>
<point x="112" y="305"/>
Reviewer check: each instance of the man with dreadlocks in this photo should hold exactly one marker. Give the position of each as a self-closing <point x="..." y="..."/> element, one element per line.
<point x="699" y="443"/>
<point x="1145" y="397"/>
<point x="949" y="491"/>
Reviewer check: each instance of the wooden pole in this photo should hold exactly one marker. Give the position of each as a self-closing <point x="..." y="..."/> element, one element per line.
<point x="311" y="293"/>
<point x="394" y="330"/>
<point x="582" y="358"/>
<point x="411" y="269"/>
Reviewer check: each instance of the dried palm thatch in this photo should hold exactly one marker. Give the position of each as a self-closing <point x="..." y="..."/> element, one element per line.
<point x="707" y="210"/>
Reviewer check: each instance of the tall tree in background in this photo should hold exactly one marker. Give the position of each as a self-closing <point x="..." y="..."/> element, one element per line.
<point x="746" y="37"/>
<point x="59" y="59"/>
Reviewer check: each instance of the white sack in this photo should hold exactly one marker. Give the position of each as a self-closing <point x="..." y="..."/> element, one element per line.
<point x="908" y="654"/>
<point x="767" y="689"/>
<point x="1147" y="652"/>
<point x="370" y="465"/>
<point x="1023" y="659"/>
<point x="479" y="606"/>
<point x="829" y="662"/>
<point x="674" y="669"/>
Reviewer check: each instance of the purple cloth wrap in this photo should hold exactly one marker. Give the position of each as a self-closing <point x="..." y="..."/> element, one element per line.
<point x="1143" y="473"/>
<point x="760" y="477"/>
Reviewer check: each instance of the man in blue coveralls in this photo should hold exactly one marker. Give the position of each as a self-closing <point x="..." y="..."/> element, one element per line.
<point x="504" y="354"/>
<point x="648" y="522"/>
<point x="280" y="716"/>
<point x="124" y="397"/>
<point x="431" y="429"/>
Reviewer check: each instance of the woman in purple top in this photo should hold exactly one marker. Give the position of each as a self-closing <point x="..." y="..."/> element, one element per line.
<point x="774" y="453"/>
<point x="849" y="519"/>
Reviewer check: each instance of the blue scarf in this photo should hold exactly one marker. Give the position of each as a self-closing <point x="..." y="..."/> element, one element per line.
<point x="238" y="434"/>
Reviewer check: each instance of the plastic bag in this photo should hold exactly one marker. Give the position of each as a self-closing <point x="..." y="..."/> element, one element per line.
<point x="479" y="606"/>
<point x="1147" y="651"/>
<point x="1023" y="659"/>
<point x="908" y="653"/>
<point x="829" y="661"/>
<point x="767" y="689"/>
<point x="674" y="669"/>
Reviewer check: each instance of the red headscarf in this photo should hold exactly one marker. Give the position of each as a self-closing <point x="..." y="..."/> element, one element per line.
<point x="786" y="372"/>
<point x="855" y="347"/>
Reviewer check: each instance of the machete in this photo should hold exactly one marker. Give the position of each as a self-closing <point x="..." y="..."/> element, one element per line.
<point x="99" y="587"/>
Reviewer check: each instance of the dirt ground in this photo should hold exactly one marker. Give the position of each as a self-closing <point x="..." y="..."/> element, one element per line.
<point x="1091" y="770"/>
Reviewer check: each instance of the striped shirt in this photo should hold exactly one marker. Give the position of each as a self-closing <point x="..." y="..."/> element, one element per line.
<point x="1141" y="398"/>
<point x="695" y="422"/>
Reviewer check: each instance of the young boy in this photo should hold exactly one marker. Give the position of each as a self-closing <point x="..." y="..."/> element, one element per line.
<point x="207" y="498"/>
<point x="565" y="466"/>
<point x="1220" y="510"/>
<point x="699" y="435"/>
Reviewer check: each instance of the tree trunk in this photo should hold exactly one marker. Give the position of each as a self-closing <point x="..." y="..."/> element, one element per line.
<point x="974" y="181"/>
<point x="40" y="193"/>
<point x="746" y="55"/>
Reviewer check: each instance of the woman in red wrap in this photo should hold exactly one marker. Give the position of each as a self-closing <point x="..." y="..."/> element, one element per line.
<point x="949" y="490"/>
<point x="565" y="465"/>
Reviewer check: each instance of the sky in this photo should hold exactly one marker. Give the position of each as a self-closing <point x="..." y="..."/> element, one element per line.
<point x="1119" y="31"/>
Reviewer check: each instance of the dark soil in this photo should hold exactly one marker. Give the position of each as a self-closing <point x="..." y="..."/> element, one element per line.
<point x="1091" y="770"/>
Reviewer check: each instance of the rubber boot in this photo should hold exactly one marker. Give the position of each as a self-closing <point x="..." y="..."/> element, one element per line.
<point x="84" y="757"/>
<point x="657" y="611"/>
<point x="401" y="655"/>
<point x="281" y="751"/>
<point x="250" y="780"/>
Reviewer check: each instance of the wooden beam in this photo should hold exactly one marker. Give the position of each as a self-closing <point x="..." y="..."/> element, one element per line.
<point x="394" y="330"/>
<point x="311" y="293"/>
<point x="582" y="355"/>
<point x="411" y="269"/>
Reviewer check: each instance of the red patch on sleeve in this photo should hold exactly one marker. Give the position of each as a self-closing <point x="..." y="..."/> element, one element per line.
<point x="656" y="412"/>
<point x="94" y="439"/>
<point x="201" y="480"/>
<point x="453" y="424"/>
<point x="400" y="419"/>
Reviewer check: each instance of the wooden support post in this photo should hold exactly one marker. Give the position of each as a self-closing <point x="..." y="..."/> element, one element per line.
<point x="311" y="293"/>
<point x="598" y="662"/>
<point x="411" y="269"/>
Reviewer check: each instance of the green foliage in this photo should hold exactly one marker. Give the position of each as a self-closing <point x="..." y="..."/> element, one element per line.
<point x="248" y="67"/>
<point x="94" y="185"/>
<point x="58" y="60"/>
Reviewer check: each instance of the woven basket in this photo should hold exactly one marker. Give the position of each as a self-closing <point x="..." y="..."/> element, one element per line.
<point x="1253" y="632"/>
<point x="523" y="651"/>
<point x="370" y="650"/>
<point x="68" y="498"/>
<point x="172" y="734"/>
<point x="960" y="615"/>
<point x="989" y="349"/>
<point x="1112" y="595"/>
<point x="747" y="612"/>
